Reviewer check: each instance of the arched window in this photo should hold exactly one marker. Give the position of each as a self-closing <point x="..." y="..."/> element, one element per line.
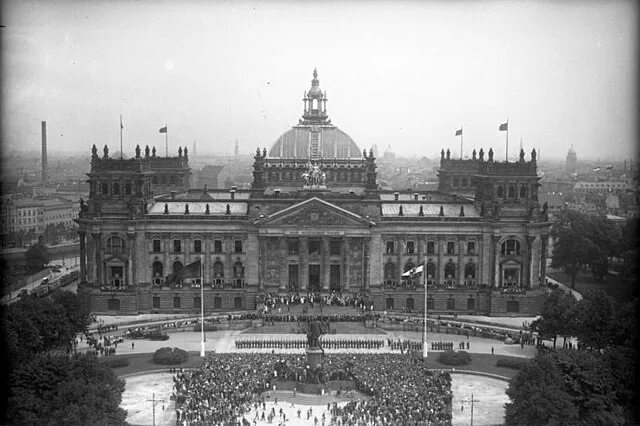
<point x="115" y="244"/>
<point x="470" y="270"/>
<point x="523" y="192"/>
<point x="450" y="270"/>
<point x="116" y="188"/>
<point x="154" y="180"/>
<point x="512" y="192"/>
<point x="218" y="269"/>
<point x="500" y="192"/>
<point x="510" y="246"/>
<point x="463" y="182"/>
<point x="104" y="188"/>
<point x="456" y="181"/>
<point x="177" y="265"/>
<point x="127" y="188"/>
<point x="431" y="270"/>
<point x="157" y="269"/>
<point x="238" y="270"/>
<point x="409" y="266"/>
<point x="389" y="271"/>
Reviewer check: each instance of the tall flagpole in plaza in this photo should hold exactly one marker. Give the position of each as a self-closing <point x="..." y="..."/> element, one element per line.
<point x="202" y="352"/>
<point x="121" y="127"/>
<point x="166" y="140"/>
<point x="425" y="350"/>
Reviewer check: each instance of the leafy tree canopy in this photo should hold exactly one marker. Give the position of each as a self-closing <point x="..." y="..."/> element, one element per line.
<point x="556" y="316"/>
<point x="36" y="257"/>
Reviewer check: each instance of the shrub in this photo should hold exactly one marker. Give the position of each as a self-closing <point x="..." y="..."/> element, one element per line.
<point x="455" y="358"/>
<point x="512" y="362"/>
<point x="157" y="335"/>
<point x="170" y="356"/>
<point x="116" y="362"/>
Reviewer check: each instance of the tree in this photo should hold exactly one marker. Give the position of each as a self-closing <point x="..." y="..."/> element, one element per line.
<point x="54" y="389"/>
<point x="77" y="314"/>
<point x="581" y="240"/>
<point x="564" y="387"/>
<point x="556" y="316"/>
<point x="36" y="258"/>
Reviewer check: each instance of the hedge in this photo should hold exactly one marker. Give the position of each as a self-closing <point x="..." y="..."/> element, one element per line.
<point x="512" y="362"/>
<point x="116" y="362"/>
<point x="455" y="358"/>
<point x="170" y="356"/>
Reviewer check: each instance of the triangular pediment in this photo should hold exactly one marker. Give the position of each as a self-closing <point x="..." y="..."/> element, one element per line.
<point x="315" y="212"/>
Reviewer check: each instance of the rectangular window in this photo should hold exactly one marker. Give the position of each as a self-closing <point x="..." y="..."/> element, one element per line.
<point x="410" y="247"/>
<point x="451" y="304"/>
<point x="177" y="246"/>
<point x="335" y="247"/>
<point x="156" y="302"/>
<point x="217" y="302"/>
<point x="113" y="304"/>
<point x="513" y="306"/>
<point x="196" y="302"/>
<point x="237" y="303"/>
<point x="176" y="303"/>
<point x="238" y="246"/>
<point x="471" y="247"/>
<point x="431" y="247"/>
<point x="217" y="246"/>
<point x="294" y="246"/>
<point x="471" y="304"/>
<point x="411" y="303"/>
<point x="390" y="303"/>
<point x="451" y="247"/>
<point x="390" y="247"/>
<point x="197" y="246"/>
<point x="314" y="246"/>
<point x="430" y="304"/>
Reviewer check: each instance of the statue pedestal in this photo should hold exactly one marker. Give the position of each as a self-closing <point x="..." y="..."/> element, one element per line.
<point x="314" y="357"/>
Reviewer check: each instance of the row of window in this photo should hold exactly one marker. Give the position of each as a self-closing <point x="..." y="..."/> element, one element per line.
<point x="410" y="247"/>
<point x="513" y="306"/>
<point x="115" y="188"/>
<point x="197" y="246"/>
<point x="390" y="270"/>
<point x="114" y="304"/>
<point x="511" y="192"/>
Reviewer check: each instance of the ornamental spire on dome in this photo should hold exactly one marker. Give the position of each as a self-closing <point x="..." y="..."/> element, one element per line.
<point x="315" y="104"/>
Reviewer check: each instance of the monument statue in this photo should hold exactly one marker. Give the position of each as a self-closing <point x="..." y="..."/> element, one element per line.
<point x="314" y="332"/>
<point x="314" y="176"/>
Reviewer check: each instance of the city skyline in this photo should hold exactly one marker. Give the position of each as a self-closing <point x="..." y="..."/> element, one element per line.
<point x="403" y="75"/>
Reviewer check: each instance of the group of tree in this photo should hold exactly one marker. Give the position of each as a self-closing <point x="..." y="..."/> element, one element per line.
<point x="48" y="383"/>
<point x="36" y="257"/>
<point x="594" y="384"/>
<point x="588" y="242"/>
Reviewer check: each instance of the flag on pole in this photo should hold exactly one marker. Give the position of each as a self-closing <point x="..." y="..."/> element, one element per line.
<point x="163" y="129"/>
<point x="597" y="169"/>
<point x="121" y="126"/>
<point x="192" y="270"/>
<point x="503" y="127"/>
<point x="459" y="132"/>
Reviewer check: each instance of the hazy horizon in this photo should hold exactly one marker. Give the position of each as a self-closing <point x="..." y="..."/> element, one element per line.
<point x="400" y="74"/>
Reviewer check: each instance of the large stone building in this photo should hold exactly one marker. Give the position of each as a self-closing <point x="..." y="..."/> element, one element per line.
<point x="315" y="220"/>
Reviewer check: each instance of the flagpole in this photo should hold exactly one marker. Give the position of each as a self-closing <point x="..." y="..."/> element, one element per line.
<point x="202" y="352"/>
<point x="461" y="136"/>
<point x="121" y="136"/>
<point x="507" y="150"/>
<point x="166" y="140"/>
<point x="425" y="350"/>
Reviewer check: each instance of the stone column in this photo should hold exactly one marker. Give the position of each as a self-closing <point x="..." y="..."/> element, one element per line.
<point x="366" y="262"/>
<point x="527" y="262"/>
<point x="91" y="260"/>
<point x="229" y="248"/>
<point x="399" y="259"/>
<point x="496" y="261"/>
<point x="440" y="265"/>
<point x="206" y="262"/>
<point x="325" y="268"/>
<point x="132" y="264"/>
<point x="262" y="262"/>
<point x="97" y="244"/>
<point x="166" y="240"/>
<point x="83" y="256"/>
<point x="346" y="263"/>
<point x="544" y="239"/>
<point x="461" y="242"/>
<point x="284" y="264"/>
<point x="303" y="272"/>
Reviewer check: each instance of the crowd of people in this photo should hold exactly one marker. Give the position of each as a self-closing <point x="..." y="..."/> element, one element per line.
<point x="302" y="343"/>
<point x="442" y="346"/>
<point x="399" y="389"/>
<point x="273" y="301"/>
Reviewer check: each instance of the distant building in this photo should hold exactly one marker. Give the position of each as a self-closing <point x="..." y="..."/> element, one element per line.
<point x="582" y="187"/>
<point x="572" y="160"/>
<point x="35" y="214"/>
<point x="209" y="177"/>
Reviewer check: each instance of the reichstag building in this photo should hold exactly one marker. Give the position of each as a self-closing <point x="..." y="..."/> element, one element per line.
<point x="316" y="221"/>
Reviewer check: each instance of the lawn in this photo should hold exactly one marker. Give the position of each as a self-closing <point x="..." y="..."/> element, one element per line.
<point x="615" y="286"/>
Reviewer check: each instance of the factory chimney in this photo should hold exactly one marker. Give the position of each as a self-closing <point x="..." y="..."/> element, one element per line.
<point x="44" y="153"/>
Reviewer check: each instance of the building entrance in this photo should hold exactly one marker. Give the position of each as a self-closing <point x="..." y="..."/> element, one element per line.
<point x="314" y="277"/>
<point x="293" y="278"/>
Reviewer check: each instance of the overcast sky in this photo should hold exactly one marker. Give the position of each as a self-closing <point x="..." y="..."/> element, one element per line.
<point x="398" y="74"/>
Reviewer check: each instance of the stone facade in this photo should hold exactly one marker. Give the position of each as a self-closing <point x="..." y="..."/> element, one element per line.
<point x="339" y="233"/>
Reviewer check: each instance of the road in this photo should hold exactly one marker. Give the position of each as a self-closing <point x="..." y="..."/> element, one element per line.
<point x="13" y="296"/>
